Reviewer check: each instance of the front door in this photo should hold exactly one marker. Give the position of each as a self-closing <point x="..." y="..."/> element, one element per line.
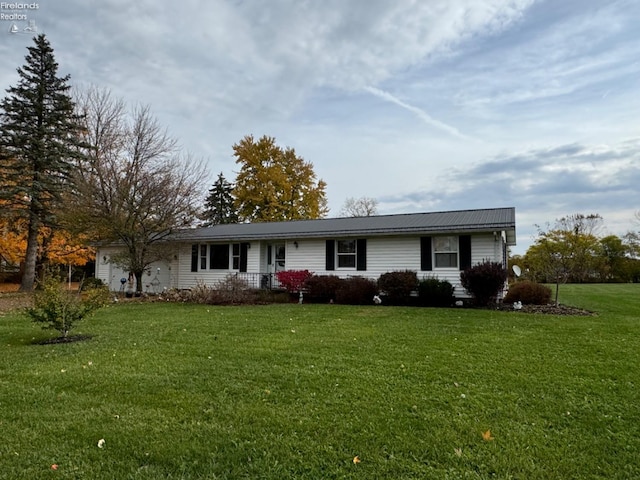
<point x="275" y="257"/>
<point x="275" y="264"/>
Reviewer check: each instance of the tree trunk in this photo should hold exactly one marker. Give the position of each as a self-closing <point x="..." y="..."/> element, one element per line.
<point x="138" y="282"/>
<point x="31" y="257"/>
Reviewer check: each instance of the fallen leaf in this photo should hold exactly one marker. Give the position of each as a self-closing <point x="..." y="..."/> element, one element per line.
<point x="356" y="460"/>
<point x="54" y="466"/>
<point x="486" y="436"/>
<point x="458" y="451"/>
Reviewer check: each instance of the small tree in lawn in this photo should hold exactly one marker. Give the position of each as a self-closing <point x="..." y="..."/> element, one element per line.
<point x="484" y="281"/>
<point x="568" y="252"/>
<point x="59" y="309"/>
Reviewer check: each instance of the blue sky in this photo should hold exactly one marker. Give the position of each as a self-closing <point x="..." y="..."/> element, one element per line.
<point x="424" y="105"/>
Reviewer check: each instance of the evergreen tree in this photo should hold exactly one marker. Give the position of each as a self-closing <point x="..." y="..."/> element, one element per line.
<point x="219" y="204"/>
<point x="39" y="137"/>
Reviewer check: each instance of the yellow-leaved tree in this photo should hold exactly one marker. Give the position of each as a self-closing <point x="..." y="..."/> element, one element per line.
<point x="274" y="184"/>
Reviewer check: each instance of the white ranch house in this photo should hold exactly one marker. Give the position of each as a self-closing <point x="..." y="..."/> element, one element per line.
<point x="436" y="244"/>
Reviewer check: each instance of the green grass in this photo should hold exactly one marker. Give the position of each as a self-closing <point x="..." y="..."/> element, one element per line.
<point x="291" y="391"/>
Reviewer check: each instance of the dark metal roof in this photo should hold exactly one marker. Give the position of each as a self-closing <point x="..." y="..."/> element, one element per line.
<point x="495" y="219"/>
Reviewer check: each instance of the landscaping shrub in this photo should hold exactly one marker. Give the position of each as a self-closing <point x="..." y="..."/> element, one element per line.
<point x="433" y="292"/>
<point x="484" y="282"/>
<point x="529" y="293"/>
<point x="91" y="282"/>
<point x="356" y="291"/>
<point x="232" y="290"/>
<point x="59" y="309"/>
<point x="397" y="286"/>
<point x="293" y="280"/>
<point x="322" y="288"/>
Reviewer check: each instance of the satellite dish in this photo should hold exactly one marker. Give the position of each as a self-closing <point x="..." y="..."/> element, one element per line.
<point x="517" y="270"/>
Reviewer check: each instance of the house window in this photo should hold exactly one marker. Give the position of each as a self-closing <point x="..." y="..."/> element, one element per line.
<point x="445" y="252"/>
<point x="219" y="257"/>
<point x="346" y="253"/>
<point x="236" y="256"/>
<point x="203" y="257"/>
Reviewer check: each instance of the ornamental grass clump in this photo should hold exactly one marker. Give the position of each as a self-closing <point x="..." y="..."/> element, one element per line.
<point x="57" y="308"/>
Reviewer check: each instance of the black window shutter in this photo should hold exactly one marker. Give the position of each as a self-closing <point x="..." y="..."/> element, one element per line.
<point x="361" y="254"/>
<point x="194" y="257"/>
<point x="426" y="262"/>
<point x="464" y="242"/>
<point x="330" y="263"/>
<point x="244" y="247"/>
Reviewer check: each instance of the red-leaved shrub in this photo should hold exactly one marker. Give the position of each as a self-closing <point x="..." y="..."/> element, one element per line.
<point x="293" y="280"/>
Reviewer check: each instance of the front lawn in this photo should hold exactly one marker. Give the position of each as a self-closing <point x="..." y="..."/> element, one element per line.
<point x="327" y="391"/>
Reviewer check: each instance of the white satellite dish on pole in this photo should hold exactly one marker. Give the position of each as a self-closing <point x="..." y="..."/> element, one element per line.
<point x="517" y="270"/>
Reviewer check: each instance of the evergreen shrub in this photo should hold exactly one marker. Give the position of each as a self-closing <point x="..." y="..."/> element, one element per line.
<point x="433" y="292"/>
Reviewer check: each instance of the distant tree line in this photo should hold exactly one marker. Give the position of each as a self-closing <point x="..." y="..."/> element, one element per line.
<point x="574" y="251"/>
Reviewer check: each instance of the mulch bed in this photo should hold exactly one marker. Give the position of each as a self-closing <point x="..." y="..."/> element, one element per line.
<point x="68" y="339"/>
<point x="10" y="301"/>
<point x="550" y="309"/>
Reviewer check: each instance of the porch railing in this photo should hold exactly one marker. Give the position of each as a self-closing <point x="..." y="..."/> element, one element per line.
<point x="266" y="281"/>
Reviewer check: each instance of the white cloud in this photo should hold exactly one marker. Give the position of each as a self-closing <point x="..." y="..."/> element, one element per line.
<point x="542" y="185"/>
<point x="452" y="103"/>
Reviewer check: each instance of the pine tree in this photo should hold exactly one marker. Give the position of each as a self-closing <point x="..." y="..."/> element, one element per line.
<point x="39" y="135"/>
<point x="219" y="204"/>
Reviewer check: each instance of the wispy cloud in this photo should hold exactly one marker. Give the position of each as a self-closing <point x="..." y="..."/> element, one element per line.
<point x="421" y="114"/>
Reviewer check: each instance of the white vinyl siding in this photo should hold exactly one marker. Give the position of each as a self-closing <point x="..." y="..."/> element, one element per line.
<point x="189" y="279"/>
<point x="384" y="254"/>
<point x="485" y="247"/>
